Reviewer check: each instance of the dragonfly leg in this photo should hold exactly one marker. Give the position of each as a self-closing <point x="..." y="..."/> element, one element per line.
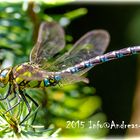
<point x="36" y="104"/>
<point x="8" y="93"/>
<point x="9" y="105"/>
<point x="13" y="96"/>
<point x="19" y="100"/>
<point x="9" y="100"/>
<point x="27" y="104"/>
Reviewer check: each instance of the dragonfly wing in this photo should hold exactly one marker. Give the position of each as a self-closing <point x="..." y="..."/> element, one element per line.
<point x="92" y="44"/>
<point x="68" y="78"/>
<point x="49" y="42"/>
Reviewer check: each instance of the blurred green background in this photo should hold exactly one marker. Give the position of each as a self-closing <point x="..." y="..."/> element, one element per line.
<point x="115" y="81"/>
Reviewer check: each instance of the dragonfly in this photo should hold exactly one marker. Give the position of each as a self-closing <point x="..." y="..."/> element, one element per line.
<point x="46" y="68"/>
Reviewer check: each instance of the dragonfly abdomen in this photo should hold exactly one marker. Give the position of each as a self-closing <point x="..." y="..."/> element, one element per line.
<point x="115" y="55"/>
<point x="103" y="58"/>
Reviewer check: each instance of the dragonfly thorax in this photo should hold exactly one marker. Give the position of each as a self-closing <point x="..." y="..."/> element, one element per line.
<point x="28" y="75"/>
<point x="4" y="76"/>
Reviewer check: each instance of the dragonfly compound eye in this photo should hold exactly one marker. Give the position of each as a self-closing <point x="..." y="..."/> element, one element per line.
<point x="4" y="77"/>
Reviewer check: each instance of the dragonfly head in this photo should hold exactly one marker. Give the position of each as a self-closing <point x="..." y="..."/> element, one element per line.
<point x="4" y="76"/>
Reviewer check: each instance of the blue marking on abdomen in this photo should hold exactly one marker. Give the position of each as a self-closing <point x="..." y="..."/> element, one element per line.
<point x="88" y="65"/>
<point x="133" y="51"/>
<point x="57" y="77"/>
<point x="74" y="69"/>
<point x="119" y="55"/>
<point x="46" y="82"/>
<point x="103" y="59"/>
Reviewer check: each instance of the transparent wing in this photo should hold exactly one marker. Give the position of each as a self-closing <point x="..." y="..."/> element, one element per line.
<point x="68" y="78"/>
<point x="92" y="44"/>
<point x="49" y="42"/>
